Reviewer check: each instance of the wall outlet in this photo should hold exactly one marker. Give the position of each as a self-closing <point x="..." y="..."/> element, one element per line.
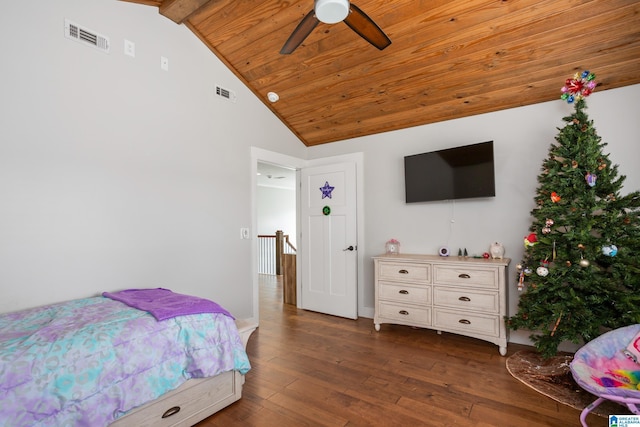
<point x="129" y="48"/>
<point x="244" y="233"/>
<point x="164" y="63"/>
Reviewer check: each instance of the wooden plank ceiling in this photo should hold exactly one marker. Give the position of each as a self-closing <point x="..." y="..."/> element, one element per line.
<point x="448" y="59"/>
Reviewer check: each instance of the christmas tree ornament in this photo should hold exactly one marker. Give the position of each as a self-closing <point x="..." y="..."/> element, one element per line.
<point x="519" y="267"/>
<point x="548" y="222"/>
<point x="542" y="271"/>
<point x="555" y="198"/>
<point x="521" y="281"/>
<point x="591" y="179"/>
<point x="544" y="262"/>
<point x="530" y="240"/>
<point x="546" y="230"/>
<point x="581" y="246"/>
<point x="579" y="87"/>
<point x="528" y="271"/>
<point x="568" y="263"/>
<point x="553" y="251"/>
<point x="610" y="250"/>
<point x="584" y="262"/>
<point x="555" y="327"/>
<point x="574" y="164"/>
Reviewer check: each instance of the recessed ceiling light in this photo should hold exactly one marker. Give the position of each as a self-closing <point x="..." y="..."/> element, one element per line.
<point x="273" y="97"/>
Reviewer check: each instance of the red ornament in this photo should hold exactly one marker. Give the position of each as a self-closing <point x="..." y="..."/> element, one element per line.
<point x="486" y="255"/>
<point x="555" y="198"/>
<point x="530" y="240"/>
<point x="574" y="85"/>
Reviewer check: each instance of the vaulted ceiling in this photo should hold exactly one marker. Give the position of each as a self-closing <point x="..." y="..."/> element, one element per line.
<point x="447" y="59"/>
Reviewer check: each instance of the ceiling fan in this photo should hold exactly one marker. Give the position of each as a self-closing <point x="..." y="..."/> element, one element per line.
<point x="332" y="12"/>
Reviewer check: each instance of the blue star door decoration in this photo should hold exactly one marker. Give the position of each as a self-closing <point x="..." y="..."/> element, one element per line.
<point x="326" y="190"/>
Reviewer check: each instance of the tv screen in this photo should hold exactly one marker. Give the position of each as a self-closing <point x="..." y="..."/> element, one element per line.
<point x="454" y="173"/>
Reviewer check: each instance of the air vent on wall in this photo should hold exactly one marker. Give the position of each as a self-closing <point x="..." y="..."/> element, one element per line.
<point x="87" y="37"/>
<point x="225" y="93"/>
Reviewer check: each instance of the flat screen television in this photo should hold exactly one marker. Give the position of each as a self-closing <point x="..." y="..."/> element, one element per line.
<point x="454" y="173"/>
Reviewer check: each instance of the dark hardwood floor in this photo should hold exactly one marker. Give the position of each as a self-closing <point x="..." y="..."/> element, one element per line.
<point x="311" y="369"/>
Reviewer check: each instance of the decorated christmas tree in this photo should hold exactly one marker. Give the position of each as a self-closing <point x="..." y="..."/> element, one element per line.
<point x="580" y="274"/>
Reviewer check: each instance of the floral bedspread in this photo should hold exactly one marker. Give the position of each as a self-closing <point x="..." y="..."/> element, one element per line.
<point x="87" y="362"/>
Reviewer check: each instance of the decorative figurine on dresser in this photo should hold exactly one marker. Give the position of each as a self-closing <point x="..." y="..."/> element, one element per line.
<point x="466" y="296"/>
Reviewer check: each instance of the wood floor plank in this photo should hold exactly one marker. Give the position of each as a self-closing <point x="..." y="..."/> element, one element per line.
<point x="310" y="369"/>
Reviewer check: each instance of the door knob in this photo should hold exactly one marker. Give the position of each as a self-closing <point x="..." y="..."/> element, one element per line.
<point x="350" y="248"/>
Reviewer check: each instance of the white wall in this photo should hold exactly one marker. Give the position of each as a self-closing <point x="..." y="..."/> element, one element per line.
<point x="521" y="136"/>
<point x="116" y="174"/>
<point x="276" y="210"/>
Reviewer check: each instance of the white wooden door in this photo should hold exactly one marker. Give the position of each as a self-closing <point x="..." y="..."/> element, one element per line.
<point x="329" y="232"/>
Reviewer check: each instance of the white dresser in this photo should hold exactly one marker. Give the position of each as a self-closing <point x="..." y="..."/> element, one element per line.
<point x="466" y="296"/>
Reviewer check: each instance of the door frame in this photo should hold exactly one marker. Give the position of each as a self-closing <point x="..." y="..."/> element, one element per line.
<point x="262" y="155"/>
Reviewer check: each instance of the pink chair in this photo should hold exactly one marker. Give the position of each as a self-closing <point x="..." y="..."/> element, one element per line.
<point x="608" y="367"/>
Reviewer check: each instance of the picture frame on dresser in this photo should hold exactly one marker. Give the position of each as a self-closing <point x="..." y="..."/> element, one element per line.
<point x="460" y="295"/>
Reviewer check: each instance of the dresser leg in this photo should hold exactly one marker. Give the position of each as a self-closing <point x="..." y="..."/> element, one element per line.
<point x="377" y="326"/>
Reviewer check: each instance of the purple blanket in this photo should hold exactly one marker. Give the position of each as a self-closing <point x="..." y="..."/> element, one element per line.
<point x="165" y="304"/>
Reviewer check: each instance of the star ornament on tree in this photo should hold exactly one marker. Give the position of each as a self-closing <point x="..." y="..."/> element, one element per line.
<point x="579" y="87"/>
<point x="326" y="190"/>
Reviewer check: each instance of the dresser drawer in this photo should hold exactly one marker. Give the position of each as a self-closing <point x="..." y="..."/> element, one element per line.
<point x="412" y="294"/>
<point x="466" y="323"/>
<point x="419" y="316"/>
<point x="404" y="271"/>
<point x="466" y="299"/>
<point x="463" y="276"/>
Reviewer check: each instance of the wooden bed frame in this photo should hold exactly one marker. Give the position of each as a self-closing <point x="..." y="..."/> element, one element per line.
<point x="195" y="400"/>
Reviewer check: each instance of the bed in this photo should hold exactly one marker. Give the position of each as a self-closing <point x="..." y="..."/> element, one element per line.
<point x="107" y="361"/>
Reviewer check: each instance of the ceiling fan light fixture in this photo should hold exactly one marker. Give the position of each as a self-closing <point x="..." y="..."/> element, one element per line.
<point x="331" y="11"/>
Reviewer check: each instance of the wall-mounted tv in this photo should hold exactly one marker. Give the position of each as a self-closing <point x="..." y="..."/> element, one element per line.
<point x="454" y="173"/>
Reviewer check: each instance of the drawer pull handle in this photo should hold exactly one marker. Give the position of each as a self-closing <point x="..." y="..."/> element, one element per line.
<point x="464" y="321"/>
<point x="404" y="312"/>
<point x="171" y="411"/>
<point x="464" y="276"/>
<point x="466" y="299"/>
<point x="403" y="271"/>
<point x="403" y="292"/>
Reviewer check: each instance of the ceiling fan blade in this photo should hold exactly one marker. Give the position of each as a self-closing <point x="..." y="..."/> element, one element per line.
<point x="301" y="32"/>
<point x="359" y="22"/>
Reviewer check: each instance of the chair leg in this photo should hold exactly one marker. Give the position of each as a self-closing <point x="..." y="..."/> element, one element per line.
<point x="633" y="407"/>
<point x="589" y="408"/>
